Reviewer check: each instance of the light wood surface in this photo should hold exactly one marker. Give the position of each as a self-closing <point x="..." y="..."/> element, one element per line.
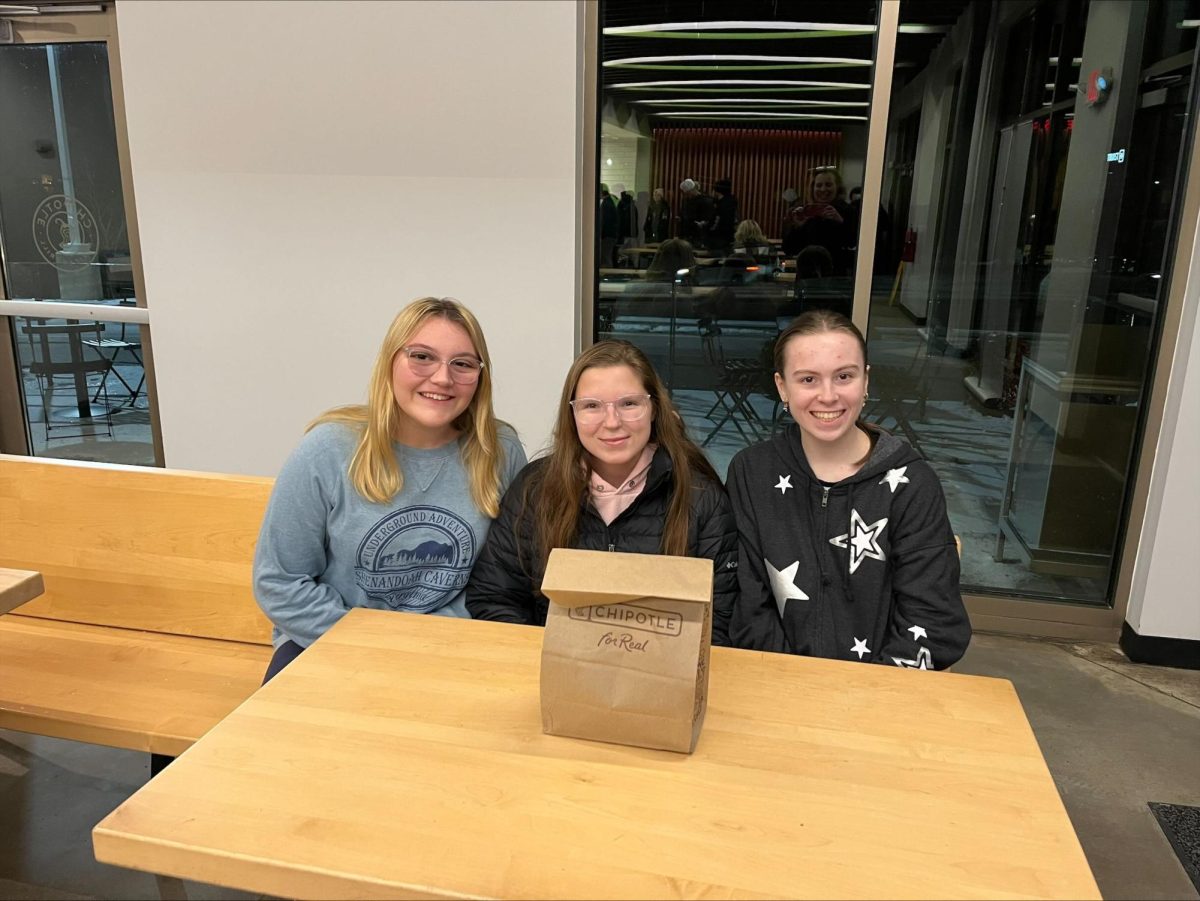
<point x="137" y="548"/>
<point x="18" y="586"/>
<point x="148" y="632"/>
<point x="402" y="756"/>
<point x="118" y="687"/>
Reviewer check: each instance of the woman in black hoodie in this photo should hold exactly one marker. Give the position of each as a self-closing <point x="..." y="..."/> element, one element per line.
<point x="846" y="550"/>
<point x="622" y="475"/>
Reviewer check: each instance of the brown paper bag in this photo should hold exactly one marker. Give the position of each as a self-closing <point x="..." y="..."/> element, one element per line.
<point x="625" y="651"/>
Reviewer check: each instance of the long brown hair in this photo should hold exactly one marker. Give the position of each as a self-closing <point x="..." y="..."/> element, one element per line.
<point x="559" y="490"/>
<point x="373" y="469"/>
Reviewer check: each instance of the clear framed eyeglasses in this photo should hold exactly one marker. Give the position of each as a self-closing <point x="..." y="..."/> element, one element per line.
<point x="629" y="408"/>
<point x="424" y="362"/>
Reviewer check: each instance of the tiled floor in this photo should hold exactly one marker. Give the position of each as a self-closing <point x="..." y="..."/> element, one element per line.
<point x="1115" y="736"/>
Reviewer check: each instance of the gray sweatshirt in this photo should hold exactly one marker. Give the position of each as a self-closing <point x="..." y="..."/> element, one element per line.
<point x="323" y="548"/>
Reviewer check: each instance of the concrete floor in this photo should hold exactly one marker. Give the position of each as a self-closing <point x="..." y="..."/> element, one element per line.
<point x="1116" y="735"/>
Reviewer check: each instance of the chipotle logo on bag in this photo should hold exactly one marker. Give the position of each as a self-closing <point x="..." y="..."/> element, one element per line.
<point x="626" y="646"/>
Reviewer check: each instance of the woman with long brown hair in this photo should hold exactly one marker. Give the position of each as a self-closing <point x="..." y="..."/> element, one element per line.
<point x="622" y="475"/>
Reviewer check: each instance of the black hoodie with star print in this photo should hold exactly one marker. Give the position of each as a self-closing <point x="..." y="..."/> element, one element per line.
<point x="863" y="569"/>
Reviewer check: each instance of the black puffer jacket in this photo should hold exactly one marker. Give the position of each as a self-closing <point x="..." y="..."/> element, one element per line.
<point x="506" y="586"/>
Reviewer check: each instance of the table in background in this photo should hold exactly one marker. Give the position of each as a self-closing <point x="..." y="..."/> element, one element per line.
<point x="402" y="755"/>
<point x="18" y="586"/>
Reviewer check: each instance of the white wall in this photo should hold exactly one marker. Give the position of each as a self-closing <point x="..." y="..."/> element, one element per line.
<point x="1164" y="600"/>
<point x="303" y="170"/>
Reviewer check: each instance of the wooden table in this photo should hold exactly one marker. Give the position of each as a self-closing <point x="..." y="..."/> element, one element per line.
<point x="402" y="756"/>
<point x="18" y="586"/>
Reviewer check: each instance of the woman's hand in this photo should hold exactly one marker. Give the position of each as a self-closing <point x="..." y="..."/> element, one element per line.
<point x="832" y="214"/>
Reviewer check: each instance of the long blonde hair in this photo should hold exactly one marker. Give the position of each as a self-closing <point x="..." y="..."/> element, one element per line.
<point x="373" y="470"/>
<point x="562" y="483"/>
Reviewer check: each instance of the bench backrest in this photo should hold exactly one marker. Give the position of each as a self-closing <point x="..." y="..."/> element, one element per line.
<point x="153" y="549"/>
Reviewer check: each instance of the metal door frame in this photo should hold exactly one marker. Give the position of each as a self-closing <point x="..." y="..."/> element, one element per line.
<point x="98" y="26"/>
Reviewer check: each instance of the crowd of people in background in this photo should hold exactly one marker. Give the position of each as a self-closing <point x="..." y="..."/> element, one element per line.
<point x="825" y="219"/>
<point x="815" y="236"/>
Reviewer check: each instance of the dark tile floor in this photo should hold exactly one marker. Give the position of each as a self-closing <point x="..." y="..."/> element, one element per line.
<point x="1116" y="735"/>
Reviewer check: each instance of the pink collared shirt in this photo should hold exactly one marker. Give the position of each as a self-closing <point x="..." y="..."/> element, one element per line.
<point x="611" y="501"/>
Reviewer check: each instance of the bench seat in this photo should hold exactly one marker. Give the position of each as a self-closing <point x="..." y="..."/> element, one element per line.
<point x="143" y="691"/>
<point x="147" y="634"/>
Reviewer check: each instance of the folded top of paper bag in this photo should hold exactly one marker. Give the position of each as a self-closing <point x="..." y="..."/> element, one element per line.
<point x="577" y="578"/>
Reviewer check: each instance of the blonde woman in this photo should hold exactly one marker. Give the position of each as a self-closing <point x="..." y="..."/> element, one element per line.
<point x="387" y="504"/>
<point x="749" y="239"/>
<point x="823" y="221"/>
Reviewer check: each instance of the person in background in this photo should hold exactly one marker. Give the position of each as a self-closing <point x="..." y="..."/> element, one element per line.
<point x="788" y="198"/>
<point x="657" y="227"/>
<point x="823" y="221"/>
<point x="627" y="224"/>
<point x="671" y="257"/>
<point x="846" y="549"/>
<point x="608" y="228"/>
<point x="387" y="504"/>
<point x="816" y="286"/>
<point x="749" y="239"/>
<point x="622" y="475"/>
<point x="696" y="213"/>
<point x="882" y="262"/>
<point x="725" y="217"/>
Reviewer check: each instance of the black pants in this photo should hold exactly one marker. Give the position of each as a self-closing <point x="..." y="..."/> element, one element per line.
<point x="284" y="654"/>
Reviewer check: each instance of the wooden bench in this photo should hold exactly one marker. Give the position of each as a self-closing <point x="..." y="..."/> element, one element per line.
<point x="147" y="634"/>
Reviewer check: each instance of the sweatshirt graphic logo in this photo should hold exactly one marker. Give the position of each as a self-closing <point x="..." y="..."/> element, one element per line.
<point x="415" y="559"/>
<point x="863" y="540"/>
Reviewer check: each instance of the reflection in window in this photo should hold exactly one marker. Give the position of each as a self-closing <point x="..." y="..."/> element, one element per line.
<point x="732" y="139"/>
<point x="1032" y="170"/>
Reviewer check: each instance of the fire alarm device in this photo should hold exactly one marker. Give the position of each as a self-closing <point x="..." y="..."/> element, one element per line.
<point x="1099" y="84"/>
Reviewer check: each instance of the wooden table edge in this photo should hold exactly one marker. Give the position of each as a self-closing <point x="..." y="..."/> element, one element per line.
<point x="25" y="585"/>
<point x="109" y="845"/>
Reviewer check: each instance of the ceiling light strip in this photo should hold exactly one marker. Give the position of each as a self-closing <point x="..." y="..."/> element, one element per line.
<point x="756" y="114"/>
<point x="684" y="101"/>
<point x="736" y="25"/>
<point x="699" y="58"/>
<point x="741" y="84"/>
<point x="841" y="28"/>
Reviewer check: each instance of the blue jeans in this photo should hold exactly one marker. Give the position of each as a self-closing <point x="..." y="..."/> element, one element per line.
<point x="284" y="654"/>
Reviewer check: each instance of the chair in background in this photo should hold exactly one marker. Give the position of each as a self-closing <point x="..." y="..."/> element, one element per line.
<point x="744" y="319"/>
<point x="60" y="364"/>
<point x="110" y="349"/>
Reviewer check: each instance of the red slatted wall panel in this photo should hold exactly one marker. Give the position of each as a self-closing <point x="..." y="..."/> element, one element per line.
<point x="761" y="163"/>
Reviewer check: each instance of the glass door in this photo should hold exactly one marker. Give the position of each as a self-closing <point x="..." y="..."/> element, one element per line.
<point x="732" y="145"/>
<point x="75" y="359"/>
<point x="1013" y="341"/>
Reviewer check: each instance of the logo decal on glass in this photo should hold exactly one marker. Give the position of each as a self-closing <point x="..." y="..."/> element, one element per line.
<point x="52" y="233"/>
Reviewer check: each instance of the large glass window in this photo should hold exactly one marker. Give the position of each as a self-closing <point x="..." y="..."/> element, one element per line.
<point x="732" y="149"/>
<point x="63" y="237"/>
<point x="1033" y="172"/>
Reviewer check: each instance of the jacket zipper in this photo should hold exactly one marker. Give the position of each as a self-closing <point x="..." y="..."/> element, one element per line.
<point x="823" y="531"/>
